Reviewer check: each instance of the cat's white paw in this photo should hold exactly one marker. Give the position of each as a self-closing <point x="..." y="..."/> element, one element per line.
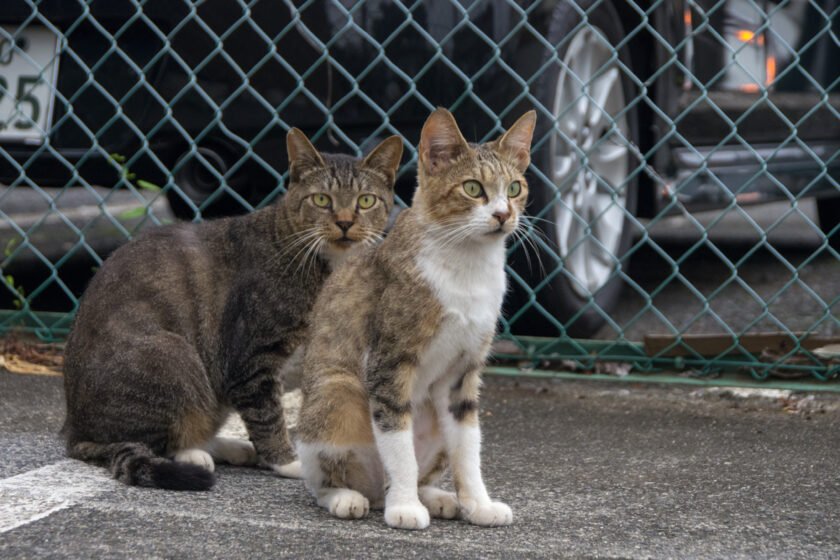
<point x="289" y="470"/>
<point x="347" y="504"/>
<point x="488" y="514"/>
<point x="440" y="503"/>
<point x="407" y="516"/>
<point x="235" y="451"/>
<point x="196" y="457"/>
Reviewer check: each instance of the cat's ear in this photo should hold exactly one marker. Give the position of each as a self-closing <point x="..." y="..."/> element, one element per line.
<point x="386" y="157"/>
<point x="516" y="142"/>
<point x="302" y="154"/>
<point x="441" y="142"/>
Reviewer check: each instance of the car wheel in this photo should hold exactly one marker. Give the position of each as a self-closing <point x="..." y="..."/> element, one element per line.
<point x="587" y="160"/>
<point x="197" y="178"/>
<point x="828" y="214"/>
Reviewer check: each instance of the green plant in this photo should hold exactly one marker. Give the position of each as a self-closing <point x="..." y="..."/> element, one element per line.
<point x="131" y="178"/>
<point x="10" y="280"/>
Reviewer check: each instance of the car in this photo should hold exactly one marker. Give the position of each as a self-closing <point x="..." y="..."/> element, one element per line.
<point x="645" y="109"/>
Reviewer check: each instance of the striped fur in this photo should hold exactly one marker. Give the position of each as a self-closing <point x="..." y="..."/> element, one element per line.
<point x="400" y="333"/>
<point x="188" y="322"/>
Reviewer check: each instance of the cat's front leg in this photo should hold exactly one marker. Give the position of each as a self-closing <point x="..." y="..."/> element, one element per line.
<point x="457" y="407"/>
<point x="258" y="402"/>
<point x="391" y="413"/>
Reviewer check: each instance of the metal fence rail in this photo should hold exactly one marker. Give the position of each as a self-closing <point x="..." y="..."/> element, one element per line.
<point x="649" y="112"/>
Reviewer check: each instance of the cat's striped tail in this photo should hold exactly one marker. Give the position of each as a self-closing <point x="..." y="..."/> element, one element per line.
<point x="137" y="465"/>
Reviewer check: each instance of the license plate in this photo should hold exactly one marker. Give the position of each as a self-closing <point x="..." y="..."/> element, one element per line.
<point x="28" y="67"/>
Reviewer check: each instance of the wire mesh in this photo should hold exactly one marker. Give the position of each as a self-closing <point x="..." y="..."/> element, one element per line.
<point x="654" y="117"/>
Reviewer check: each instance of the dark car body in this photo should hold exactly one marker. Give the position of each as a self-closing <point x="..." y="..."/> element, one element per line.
<point x="125" y="84"/>
<point x="732" y="106"/>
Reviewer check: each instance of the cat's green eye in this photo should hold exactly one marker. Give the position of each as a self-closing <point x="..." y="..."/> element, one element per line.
<point x="514" y="189"/>
<point x="321" y="200"/>
<point x="366" y="201"/>
<point x="473" y="188"/>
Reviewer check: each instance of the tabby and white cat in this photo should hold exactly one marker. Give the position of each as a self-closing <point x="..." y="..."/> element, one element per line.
<point x="400" y="333"/>
<point x="186" y="323"/>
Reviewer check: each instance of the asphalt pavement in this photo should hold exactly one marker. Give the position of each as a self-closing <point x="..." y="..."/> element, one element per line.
<point x="590" y="469"/>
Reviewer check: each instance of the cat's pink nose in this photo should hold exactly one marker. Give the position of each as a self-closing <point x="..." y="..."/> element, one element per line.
<point x="501" y="216"/>
<point x="344" y="226"/>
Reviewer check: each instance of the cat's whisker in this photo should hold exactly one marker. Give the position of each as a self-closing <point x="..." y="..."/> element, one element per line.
<point x="518" y="239"/>
<point x="313" y="261"/>
<point x="309" y="233"/>
<point x="305" y="250"/>
<point x="310" y="251"/>
<point x="530" y="218"/>
<point x="311" y="257"/>
<point x="532" y="233"/>
<point x="462" y="229"/>
<point x="299" y="247"/>
<point x="527" y="222"/>
<point x="537" y="233"/>
<point x="305" y="234"/>
<point x="304" y="231"/>
<point x="526" y="241"/>
<point x="442" y="236"/>
<point x="303" y="238"/>
<point x="455" y="236"/>
<point x="316" y="253"/>
<point x="374" y="231"/>
<point x="372" y="237"/>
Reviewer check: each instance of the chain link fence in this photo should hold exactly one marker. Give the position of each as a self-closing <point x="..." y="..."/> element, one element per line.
<point x="123" y="114"/>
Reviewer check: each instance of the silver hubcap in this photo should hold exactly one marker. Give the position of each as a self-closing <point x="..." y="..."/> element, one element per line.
<point x="590" y="161"/>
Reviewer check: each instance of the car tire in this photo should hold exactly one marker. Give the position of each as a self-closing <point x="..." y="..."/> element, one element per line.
<point x="197" y="178"/>
<point x="828" y="214"/>
<point x="589" y="201"/>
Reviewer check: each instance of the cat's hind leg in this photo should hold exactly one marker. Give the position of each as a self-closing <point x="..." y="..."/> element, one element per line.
<point x="440" y="503"/>
<point x="150" y="403"/>
<point x="234" y="451"/>
<point x="342" y="479"/>
<point x="432" y="462"/>
<point x="190" y="433"/>
<point x="343" y="502"/>
<point x="340" y="463"/>
<point x="195" y="456"/>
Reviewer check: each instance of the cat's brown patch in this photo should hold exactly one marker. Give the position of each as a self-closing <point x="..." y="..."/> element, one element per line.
<point x="434" y="470"/>
<point x="193" y="429"/>
<point x="342" y="471"/>
<point x="339" y="412"/>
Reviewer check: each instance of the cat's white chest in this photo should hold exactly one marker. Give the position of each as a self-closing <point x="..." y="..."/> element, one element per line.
<point x="470" y="288"/>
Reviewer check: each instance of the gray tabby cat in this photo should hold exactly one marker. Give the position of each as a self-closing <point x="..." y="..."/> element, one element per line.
<point x="186" y="323"/>
<point x="399" y="336"/>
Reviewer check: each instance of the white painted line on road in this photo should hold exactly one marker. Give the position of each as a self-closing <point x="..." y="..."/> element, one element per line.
<point x="41" y="492"/>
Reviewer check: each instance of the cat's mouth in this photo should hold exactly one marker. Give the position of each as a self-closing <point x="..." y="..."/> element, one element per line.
<point x="501" y="230"/>
<point x="343" y="242"/>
